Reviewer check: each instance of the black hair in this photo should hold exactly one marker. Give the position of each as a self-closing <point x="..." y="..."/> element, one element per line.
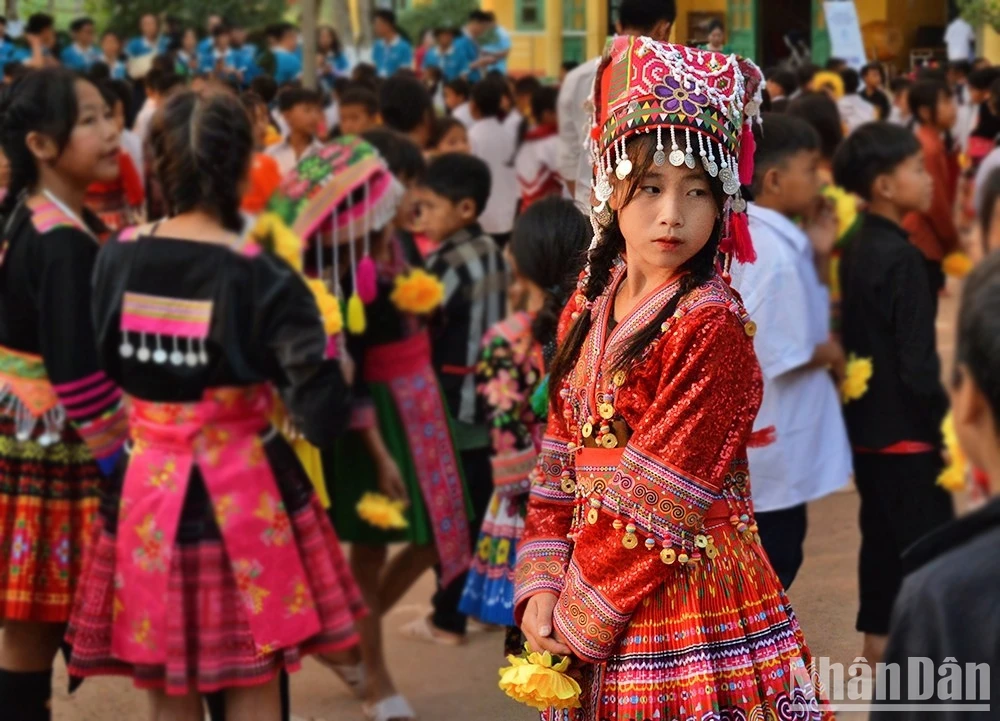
<point x="994" y="94"/>
<point x="460" y="86"/>
<point x="251" y="101"/>
<point x="337" y="47"/>
<point x="79" y="24"/>
<point x="457" y="177"/>
<point x="872" y="150"/>
<point x="644" y="15"/>
<point x="443" y="126"/>
<point x="714" y="25"/>
<point x="978" y="343"/>
<point x="820" y="110"/>
<point x="852" y="81"/>
<point x="526" y="85"/>
<point x="487" y="95"/>
<point x="266" y="87"/>
<point x="836" y="64"/>
<point x="549" y="246"/>
<point x="14" y="70"/>
<point x="111" y="32"/>
<point x="479" y="16"/>
<point x="360" y="96"/>
<point x="990" y="194"/>
<point x="778" y="139"/>
<point x="366" y="74"/>
<point x="873" y="66"/>
<point x="202" y="147"/>
<point x="98" y="72"/>
<point x="543" y="100"/>
<point x="806" y="73"/>
<point x="290" y="97"/>
<point x="125" y="94"/>
<point x="162" y="82"/>
<point x="385" y="15"/>
<point x="962" y="67"/>
<point x="42" y="101"/>
<point x="446" y="30"/>
<point x="611" y="245"/>
<point x="39" y="22"/>
<point x="931" y="73"/>
<point x="220" y="29"/>
<point x="898" y="85"/>
<point x="401" y="154"/>
<point x="982" y="79"/>
<point x="108" y="93"/>
<point x="784" y="79"/>
<point x="925" y="94"/>
<point x="404" y="103"/>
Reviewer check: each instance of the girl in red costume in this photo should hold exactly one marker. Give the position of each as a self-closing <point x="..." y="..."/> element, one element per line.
<point x="640" y="554"/>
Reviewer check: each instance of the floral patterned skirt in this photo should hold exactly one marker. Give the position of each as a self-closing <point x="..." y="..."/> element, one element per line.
<point x="48" y="503"/>
<point x="208" y="639"/>
<point x="489" y="587"/>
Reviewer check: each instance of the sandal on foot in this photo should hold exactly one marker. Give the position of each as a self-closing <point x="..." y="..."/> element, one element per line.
<point x="352" y="674"/>
<point x="423" y="630"/>
<point x="392" y="708"/>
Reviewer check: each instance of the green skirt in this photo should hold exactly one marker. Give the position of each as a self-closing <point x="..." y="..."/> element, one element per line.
<point x="350" y="473"/>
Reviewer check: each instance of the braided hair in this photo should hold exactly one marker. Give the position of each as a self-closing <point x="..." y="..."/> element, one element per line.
<point x="41" y="101"/>
<point x="548" y="244"/>
<point x="698" y="270"/>
<point x="202" y="147"/>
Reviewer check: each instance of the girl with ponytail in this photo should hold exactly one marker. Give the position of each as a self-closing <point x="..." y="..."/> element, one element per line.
<point x="546" y="254"/>
<point x="61" y="420"/>
<point x="214" y="567"/>
<point x="640" y="555"/>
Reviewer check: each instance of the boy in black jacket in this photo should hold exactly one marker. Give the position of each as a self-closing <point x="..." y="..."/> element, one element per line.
<point x="888" y="317"/>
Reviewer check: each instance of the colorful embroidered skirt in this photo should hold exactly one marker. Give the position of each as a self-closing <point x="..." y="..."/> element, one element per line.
<point x="489" y="587"/>
<point x="716" y="643"/>
<point x="48" y="502"/>
<point x="350" y="473"/>
<point x="208" y="638"/>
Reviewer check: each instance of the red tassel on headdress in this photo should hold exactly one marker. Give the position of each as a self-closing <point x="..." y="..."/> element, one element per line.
<point x="741" y="242"/>
<point x="367" y="280"/>
<point x="748" y="146"/>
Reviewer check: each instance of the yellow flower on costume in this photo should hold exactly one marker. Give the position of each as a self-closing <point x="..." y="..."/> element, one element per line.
<point x="417" y="292"/>
<point x="272" y="233"/>
<point x="956" y="264"/>
<point x="855" y="383"/>
<point x="846" y="207"/>
<point x="329" y="308"/>
<point x="952" y="478"/>
<point x="382" y="512"/>
<point x="272" y="137"/>
<point x="540" y="681"/>
<point x="829" y="81"/>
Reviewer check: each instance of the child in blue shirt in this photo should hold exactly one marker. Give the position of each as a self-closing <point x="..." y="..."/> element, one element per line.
<point x="451" y="58"/>
<point x="82" y="53"/>
<point x="149" y="40"/>
<point x="391" y="50"/>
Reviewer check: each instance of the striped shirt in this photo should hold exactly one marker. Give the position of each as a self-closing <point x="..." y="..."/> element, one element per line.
<point x="472" y="270"/>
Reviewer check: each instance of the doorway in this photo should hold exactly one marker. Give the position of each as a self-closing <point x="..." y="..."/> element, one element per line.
<point x="777" y="19"/>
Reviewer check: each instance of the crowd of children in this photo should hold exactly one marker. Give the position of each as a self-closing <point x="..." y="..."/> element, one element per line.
<point x="381" y="298"/>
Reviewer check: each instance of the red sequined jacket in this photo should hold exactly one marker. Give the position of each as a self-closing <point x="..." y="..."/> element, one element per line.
<point x="689" y="406"/>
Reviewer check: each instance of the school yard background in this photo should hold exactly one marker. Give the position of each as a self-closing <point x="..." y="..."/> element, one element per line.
<point x="449" y="684"/>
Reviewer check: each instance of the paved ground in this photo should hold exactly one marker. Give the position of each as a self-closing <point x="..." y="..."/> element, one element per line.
<point x="452" y="684"/>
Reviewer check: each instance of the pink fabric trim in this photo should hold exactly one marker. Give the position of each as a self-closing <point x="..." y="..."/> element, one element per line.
<point x="75" y="398"/>
<point x="108" y="400"/>
<point x="64" y="388"/>
<point x="160" y="326"/>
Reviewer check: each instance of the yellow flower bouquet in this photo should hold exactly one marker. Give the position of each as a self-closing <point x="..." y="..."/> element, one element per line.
<point x="952" y="478"/>
<point x="417" y="292"/>
<point x="382" y="512"/>
<point x="329" y="308"/>
<point x="855" y="383"/>
<point x="956" y="264"/>
<point x="540" y="681"/>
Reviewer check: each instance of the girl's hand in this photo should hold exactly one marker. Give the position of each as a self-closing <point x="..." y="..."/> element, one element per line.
<point x="537" y="625"/>
<point x="390" y="480"/>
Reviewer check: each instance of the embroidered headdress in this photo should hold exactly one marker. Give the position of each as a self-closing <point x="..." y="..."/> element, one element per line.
<point x="701" y="105"/>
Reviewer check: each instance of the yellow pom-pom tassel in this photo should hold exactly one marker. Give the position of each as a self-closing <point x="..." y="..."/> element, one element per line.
<point x="355" y="314"/>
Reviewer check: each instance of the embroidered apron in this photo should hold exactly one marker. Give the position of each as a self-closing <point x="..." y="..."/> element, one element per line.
<point x="221" y="434"/>
<point x="405" y="367"/>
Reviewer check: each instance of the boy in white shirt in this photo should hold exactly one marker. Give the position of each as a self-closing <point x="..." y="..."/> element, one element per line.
<point x="492" y="144"/>
<point x="800" y="451"/>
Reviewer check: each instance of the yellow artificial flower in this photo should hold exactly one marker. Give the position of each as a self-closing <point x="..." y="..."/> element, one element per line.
<point x="855" y="383"/>
<point x="417" y="292"/>
<point x="329" y="308"/>
<point x="845" y="205"/>
<point x="952" y="478"/>
<point x="829" y="81"/>
<point x="382" y="512"/>
<point x="956" y="264"/>
<point x="271" y="232"/>
<point x="540" y="682"/>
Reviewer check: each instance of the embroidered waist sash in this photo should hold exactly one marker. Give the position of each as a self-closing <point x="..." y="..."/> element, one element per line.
<point x="221" y="434"/>
<point x="405" y="367"/>
<point x="26" y="392"/>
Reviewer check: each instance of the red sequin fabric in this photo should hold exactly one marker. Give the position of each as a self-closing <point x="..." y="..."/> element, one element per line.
<point x="646" y="534"/>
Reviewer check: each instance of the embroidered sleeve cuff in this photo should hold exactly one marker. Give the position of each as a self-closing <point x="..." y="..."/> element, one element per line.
<point x="541" y="566"/>
<point x="555" y="468"/>
<point x="512" y="472"/>
<point x="589" y="622"/>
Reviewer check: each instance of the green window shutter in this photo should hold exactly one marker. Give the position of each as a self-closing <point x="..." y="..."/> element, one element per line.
<point x="820" y="36"/>
<point x="741" y="17"/>
<point x="529" y="15"/>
